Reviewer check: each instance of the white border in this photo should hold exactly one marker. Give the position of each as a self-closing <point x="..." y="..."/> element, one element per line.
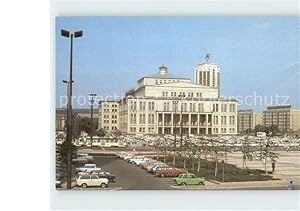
<point x="127" y="200"/>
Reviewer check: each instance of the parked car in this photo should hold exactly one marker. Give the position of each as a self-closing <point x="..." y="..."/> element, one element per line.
<point x="139" y="162"/>
<point x="189" y="179"/>
<point x="136" y="158"/>
<point x="149" y="167"/>
<point x="83" y="159"/>
<point x="87" y="166"/>
<point x="88" y="171"/>
<point x="91" y="180"/>
<point x="104" y="174"/>
<point x="128" y="156"/>
<point x="146" y="162"/>
<point x="153" y="169"/>
<point x="168" y="172"/>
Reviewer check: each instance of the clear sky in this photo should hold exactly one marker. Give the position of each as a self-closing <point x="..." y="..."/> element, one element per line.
<point x="258" y="56"/>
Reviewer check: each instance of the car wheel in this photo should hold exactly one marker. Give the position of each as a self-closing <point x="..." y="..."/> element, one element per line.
<point x="103" y="185"/>
<point x="162" y="175"/>
<point x="201" y="183"/>
<point x="183" y="183"/>
<point x="84" y="185"/>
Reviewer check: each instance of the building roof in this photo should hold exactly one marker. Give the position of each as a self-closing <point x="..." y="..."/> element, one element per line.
<point x="279" y="107"/>
<point x="164" y="76"/>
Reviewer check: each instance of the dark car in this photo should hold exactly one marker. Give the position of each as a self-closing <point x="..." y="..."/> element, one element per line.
<point x="104" y="174"/>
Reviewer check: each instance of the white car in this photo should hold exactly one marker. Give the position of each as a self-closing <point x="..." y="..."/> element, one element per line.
<point x="128" y="156"/>
<point x="135" y="158"/>
<point x="91" y="180"/>
<point x="87" y="166"/>
<point x="138" y="162"/>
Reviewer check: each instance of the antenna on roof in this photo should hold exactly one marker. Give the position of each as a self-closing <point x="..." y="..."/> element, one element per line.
<point x="207" y="57"/>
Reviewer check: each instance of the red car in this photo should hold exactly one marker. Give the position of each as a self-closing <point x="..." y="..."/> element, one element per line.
<point x="169" y="172"/>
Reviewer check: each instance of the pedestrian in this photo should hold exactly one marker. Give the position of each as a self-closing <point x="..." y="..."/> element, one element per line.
<point x="291" y="186"/>
<point x="273" y="166"/>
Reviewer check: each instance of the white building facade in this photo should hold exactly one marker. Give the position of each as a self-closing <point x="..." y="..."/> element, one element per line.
<point x="163" y="104"/>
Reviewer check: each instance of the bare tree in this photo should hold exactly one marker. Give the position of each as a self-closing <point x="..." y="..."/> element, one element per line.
<point x="247" y="152"/>
<point x="268" y="153"/>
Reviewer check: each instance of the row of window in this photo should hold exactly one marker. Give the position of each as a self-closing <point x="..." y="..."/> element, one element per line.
<point x="112" y="121"/>
<point x="142" y="106"/>
<point x="113" y="105"/>
<point x="193" y="107"/>
<point x="166" y="81"/>
<point x="174" y="94"/>
<point x="142" y="119"/>
<point x="112" y="116"/>
<point x="142" y="129"/>
<point x="184" y="106"/>
<point x="224" y="107"/>
<point x="224" y="120"/>
<point x="106" y="110"/>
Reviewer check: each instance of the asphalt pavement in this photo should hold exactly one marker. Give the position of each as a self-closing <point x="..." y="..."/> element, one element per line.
<point x="130" y="176"/>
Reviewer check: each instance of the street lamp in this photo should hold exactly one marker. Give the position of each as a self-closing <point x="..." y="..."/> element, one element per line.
<point x="181" y="122"/>
<point x="175" y="103"/>
<point x="92" y="95"/>
<point x="70" y="35"/>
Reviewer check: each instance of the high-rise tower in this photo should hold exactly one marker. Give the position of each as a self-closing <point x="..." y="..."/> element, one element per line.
<point x="208" y="74"/>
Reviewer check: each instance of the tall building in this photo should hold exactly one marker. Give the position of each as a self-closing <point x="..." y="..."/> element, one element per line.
<point x="247" y="120"/>
<point x="108" y="115"/>
<point x="283" y="117"/>
<point x="207" y="74"/>
<point x="161" y="101"/>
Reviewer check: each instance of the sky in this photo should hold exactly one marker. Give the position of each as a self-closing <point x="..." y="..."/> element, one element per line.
<point x="258" y="56"/>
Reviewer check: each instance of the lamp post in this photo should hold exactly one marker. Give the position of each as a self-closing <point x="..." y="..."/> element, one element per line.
<point x="70" y="35"/>
<point x="92" y="95"/>
<point x="181" y="122"/>
<point x="174" y="120"/>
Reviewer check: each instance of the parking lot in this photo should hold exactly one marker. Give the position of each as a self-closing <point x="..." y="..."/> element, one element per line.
<point x="131" y="177"/>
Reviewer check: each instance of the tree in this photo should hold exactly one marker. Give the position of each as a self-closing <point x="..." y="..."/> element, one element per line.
<point x="216" y="154"/>
<point x="201" y="148"/>
<point x="101" y="132"/>
<point x="62" y="153"/>
<point x="268" y="153"/>
<point x="260" y="128"/>
<point x="84" y="124"/>
<point x="273" y="129"/>
<point x="184" y="152"/>
<point x="163" y="146"/>
<point x="226" y="149"/>
<point x="247" y="152"/>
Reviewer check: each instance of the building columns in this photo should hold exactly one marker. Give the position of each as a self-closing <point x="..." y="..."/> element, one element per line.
<point x="206" y="125"/>
<point x="198" y="123"/>
<point x="163" y="123"/>
<point x="172" y="123"/>
<point x="190" y="121"/>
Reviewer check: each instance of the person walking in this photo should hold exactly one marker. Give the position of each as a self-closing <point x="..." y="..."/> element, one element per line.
<point x="291" y="186"/>
<point x="273" y="166"/>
